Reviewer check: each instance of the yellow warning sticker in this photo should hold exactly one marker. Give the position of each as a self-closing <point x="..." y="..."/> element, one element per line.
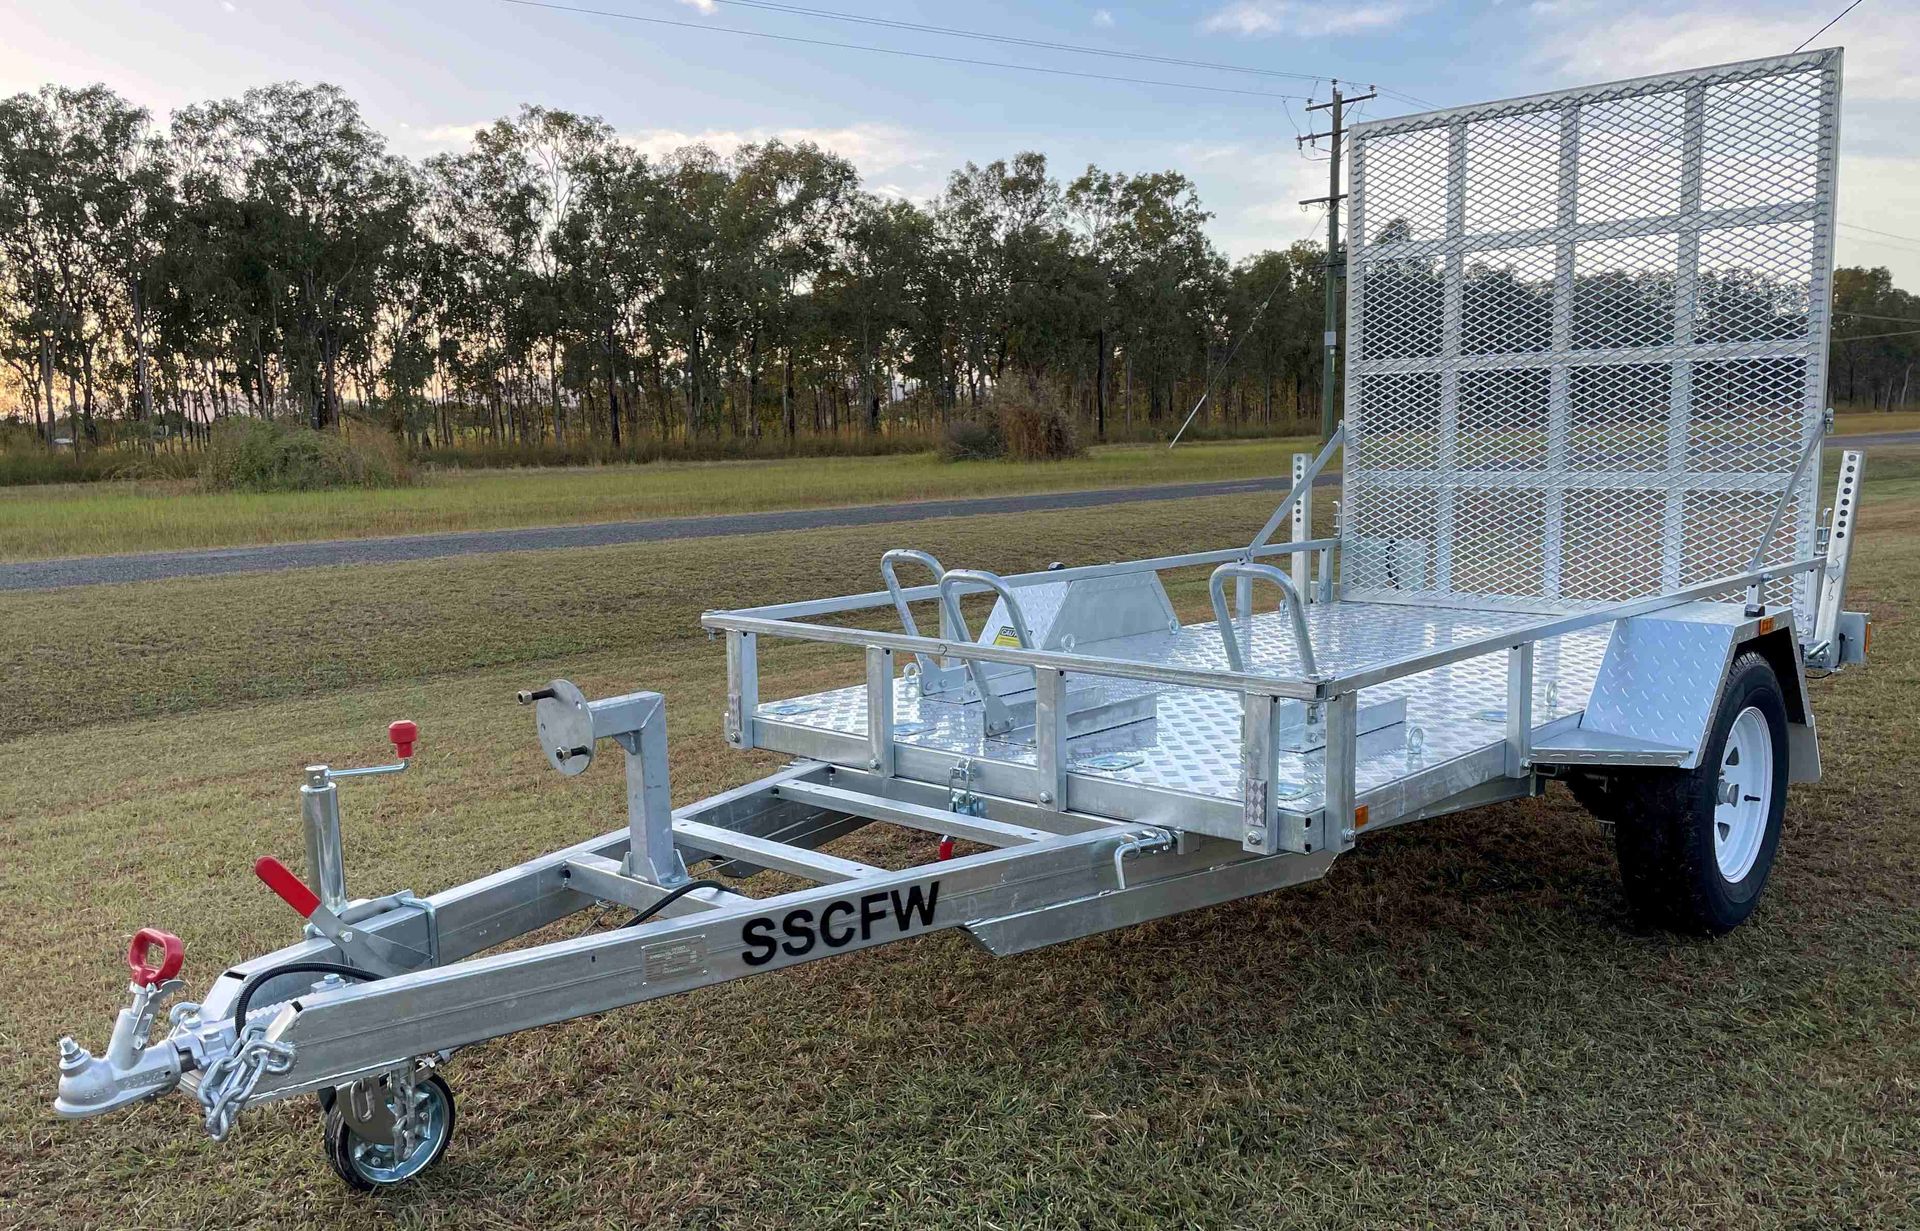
<point x="1007" y="637"/>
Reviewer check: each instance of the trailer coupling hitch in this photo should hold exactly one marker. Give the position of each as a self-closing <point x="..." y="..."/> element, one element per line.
<point x="132" y="1068"/>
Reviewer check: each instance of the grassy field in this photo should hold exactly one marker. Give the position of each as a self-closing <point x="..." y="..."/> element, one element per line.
<point x="100" y="518"/>
<point x="1457" y="1027"/>
<point x="104" y="518"/>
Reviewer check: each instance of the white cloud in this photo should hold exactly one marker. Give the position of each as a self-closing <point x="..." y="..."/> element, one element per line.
<point x="439" y="135"/>
<point x="1309" y="19"/>
<point x="705" y="6"/>
<point x="1255" y="192"/>
<point x="905" y="164"/>
<point x="892" y="161"/>
<point x="1582" y="43"/>
<point x="1103" y="18"/>
<point x="873" y="148"/>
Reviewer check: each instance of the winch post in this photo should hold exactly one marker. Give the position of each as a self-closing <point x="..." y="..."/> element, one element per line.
<point x="639" y="722"/>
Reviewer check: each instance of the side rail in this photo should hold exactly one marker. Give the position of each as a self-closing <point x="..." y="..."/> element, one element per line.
<point x="1270" y="702"/>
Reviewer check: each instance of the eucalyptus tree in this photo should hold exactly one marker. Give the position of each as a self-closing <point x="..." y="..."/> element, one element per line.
<point x="322" y="209"/>
<point x="481" y="218"/>
<point x="538" y="159"/>
<point x="1170" y="281"/>
<point x="31" y="316"/>
<point x="867" y="296"/>
<point x="606" y="247"/>
<point x="1274" y="304"/>
<point x="1875" y="348"/>
<point x="1003" y="222"/>
<point x="83" y="188"/>
<point x="687" y="222"/>
<point x="270" y="255"/>
<point x="1095" y="206"/>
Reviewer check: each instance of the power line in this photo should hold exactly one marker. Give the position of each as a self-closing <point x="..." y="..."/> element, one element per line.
<point x="1854" y="226"/>
<point x="1868" y="337"/>
<point x="1830" y="25"/>
<point x="1013" y="40"/>
<point x="1868" y="316"/>
<point x="1895" y="244"/>
<point x="1206" y="389"/>
<point x="893" y="51"/>
<point x="1082" y="49"/>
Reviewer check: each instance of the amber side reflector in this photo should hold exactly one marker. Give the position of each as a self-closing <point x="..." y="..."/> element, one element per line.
<point x="1766" y="626"/>
<point x="1360" y="817"/>
<point x="1866" y="640"/>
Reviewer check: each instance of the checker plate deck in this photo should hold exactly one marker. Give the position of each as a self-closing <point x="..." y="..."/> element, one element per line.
<point x="1193" y="742"/>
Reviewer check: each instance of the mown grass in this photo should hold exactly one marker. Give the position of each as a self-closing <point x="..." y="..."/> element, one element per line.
<point x="1456" y="1028"/>
<point x="94" y="519"/>
<point x="98" y="518"/>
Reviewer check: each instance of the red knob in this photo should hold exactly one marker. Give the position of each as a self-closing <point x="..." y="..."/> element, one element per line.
<point x="172" y="955"/>
<point x="404" y="735"/>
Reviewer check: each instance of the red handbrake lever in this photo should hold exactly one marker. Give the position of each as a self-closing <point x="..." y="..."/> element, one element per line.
<point x="292" y="890"/>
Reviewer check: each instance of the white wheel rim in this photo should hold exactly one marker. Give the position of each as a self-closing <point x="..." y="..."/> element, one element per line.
<point x="1744" y="799"/>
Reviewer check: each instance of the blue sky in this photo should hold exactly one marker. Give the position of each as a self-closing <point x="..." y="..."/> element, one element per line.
<point x="429" y="71"/>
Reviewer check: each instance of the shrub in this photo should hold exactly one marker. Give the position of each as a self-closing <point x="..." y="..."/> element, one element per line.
<point x="972" y="440"/>
<point x="259" y="455"/>
<point x="1035" y="431"/>
<point x="22" y="465"/>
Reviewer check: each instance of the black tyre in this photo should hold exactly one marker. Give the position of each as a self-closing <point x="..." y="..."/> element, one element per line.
<point x="1696" y="846"/>
<point x="370" y="1166"/>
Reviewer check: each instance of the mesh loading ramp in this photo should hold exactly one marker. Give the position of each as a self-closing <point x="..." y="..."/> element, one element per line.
<point x="1588" y="337"/>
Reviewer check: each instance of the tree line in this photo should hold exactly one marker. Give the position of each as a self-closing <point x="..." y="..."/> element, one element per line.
<point x="269" y="255"/>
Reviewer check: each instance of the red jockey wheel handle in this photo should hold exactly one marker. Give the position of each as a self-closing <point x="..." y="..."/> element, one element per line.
<point x="172" y="955"/>
<point x="404" y="735"/>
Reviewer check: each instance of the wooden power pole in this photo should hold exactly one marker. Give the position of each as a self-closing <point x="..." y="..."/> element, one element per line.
<point x="1329" y="367"/>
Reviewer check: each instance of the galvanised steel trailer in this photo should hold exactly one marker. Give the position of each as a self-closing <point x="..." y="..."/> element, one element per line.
<point x="1578" y="540"/>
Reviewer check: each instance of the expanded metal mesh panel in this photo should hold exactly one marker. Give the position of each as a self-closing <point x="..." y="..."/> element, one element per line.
<point x="1587" y="336"/>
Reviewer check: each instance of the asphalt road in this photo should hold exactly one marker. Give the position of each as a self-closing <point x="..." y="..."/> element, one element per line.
<point x="149" y="566"/>
<point x="156" y="565"/>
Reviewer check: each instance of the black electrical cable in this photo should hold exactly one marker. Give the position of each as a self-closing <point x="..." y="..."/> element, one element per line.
<point x="672" y="896"/>
<point x="352" y="972"/>
<point x="255" y="982"/>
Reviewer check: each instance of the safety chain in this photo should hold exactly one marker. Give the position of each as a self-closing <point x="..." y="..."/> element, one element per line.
<point x="229" y="1081"/>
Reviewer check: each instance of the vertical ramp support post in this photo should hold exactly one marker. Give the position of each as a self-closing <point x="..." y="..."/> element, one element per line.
<point x="1302" y="527"/>
<point x="1825" y="644"/>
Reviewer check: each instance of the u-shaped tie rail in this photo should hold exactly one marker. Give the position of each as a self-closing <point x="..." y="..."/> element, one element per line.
<point x="1290" y="600"/>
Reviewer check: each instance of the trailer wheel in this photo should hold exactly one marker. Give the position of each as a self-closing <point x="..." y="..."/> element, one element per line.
<point x="370" y="1166"/>
<point x="1696" y="845"/>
